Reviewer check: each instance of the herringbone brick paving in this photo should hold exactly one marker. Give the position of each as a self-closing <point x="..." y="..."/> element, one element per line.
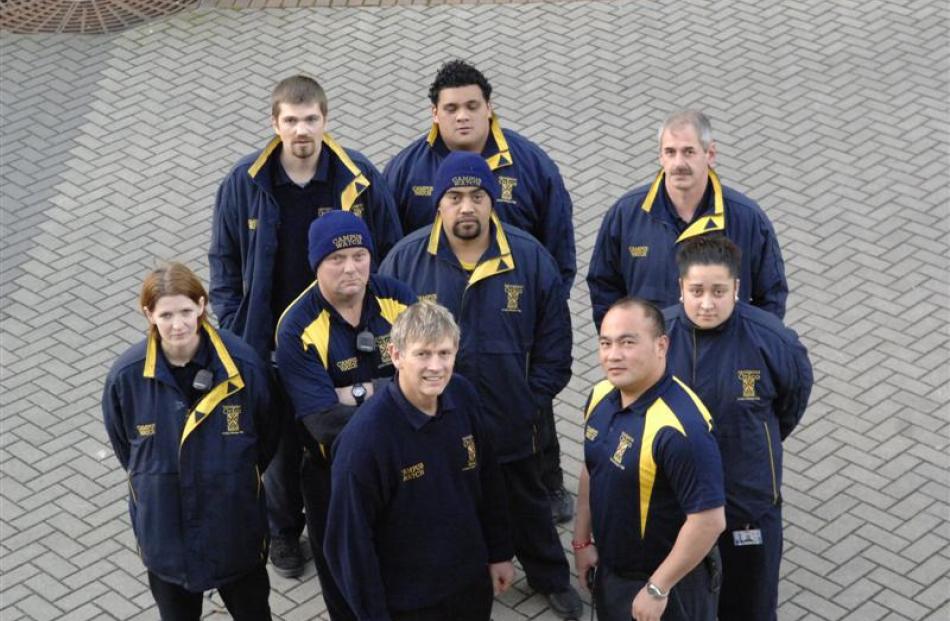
<point x="832" y="115"/>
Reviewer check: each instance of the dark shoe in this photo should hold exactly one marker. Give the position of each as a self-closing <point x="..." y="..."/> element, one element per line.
<point x="562" y="505"/>
<point x="566" y="604"/>
<point x="286" y="556"/>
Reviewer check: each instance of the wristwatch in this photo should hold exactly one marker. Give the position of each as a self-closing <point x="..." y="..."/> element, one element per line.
<point x="359" y="393"/>
<point x="656" y="592"/>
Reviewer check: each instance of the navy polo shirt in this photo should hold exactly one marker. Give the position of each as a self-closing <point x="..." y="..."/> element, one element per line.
<point x="316" y="347"/>
<point x="299" y="206"/>
<point x="418" y="505"/>
<point x="185" y="375"/>
<point x="650" y="464"/>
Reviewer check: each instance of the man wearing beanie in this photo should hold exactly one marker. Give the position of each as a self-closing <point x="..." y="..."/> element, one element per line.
<point x="502" y="287"/>
<point x="257" y="256"/>
<point x="531" y="196"/>
<point x="332" y="343"/>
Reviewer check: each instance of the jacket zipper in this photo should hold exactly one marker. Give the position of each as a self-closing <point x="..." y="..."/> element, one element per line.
<point x="695" y="349"/>
<point x="768" y="441"/>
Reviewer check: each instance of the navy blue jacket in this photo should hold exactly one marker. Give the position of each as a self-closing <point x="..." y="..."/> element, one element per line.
<point x="195" y="497"/>
<point x="516" y="329"/>
<point x="635" y="253"/>
<point x="316" y="352"/>
<point x="244" y="234"/>
<point x="418" y="504"/>
<point x="650" y="464"/>
<point x="533" y="196"/>
<point x="754" y="376"/>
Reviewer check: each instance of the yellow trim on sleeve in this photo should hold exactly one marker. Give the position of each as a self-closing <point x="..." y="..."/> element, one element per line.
<point x="697" y="402"/>
<point x="601" y="389"/>
<point x="390" y="309"/>
<point x="317" y="335"/>
<point x="658" y="416"/>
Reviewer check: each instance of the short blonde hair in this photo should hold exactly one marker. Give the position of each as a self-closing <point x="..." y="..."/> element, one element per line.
<point x="424" y="322"/>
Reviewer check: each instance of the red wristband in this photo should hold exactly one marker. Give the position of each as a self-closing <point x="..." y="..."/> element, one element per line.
<point x="581" y="546"/>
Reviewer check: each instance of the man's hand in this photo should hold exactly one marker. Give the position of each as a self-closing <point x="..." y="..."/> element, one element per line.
<point x="502" y="576"/>
<point x="584" y="559"/>
<point x="646" y="607"/>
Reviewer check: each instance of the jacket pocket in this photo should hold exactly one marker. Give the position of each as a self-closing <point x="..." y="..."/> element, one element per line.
<point x="155" y="513"/>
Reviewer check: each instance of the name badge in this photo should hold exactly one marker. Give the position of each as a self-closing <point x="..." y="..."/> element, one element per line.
<point x="751" y="537"/>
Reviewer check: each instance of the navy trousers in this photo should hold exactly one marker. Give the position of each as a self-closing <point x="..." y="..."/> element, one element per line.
<point x="751" y="572"/>
<point x="245" y="598"/>
<point x="534" y="535"/>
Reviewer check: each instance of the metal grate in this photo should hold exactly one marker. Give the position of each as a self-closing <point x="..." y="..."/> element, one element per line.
<point x="83" y="16"/>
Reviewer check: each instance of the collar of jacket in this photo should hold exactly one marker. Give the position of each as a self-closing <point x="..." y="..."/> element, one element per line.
<point x="355" y="186"/>
<point x="500" y="259"/>
<point x="704" y="224"/>
<point x="227" y="386"/>
<point x="499" y="159"/>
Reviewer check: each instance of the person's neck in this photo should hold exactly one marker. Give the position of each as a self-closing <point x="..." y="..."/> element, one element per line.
<point x="180" y="355"/>
<point x="686" y="202"/>
<point x="630" y="394"/>
<point x="350" y="308"/>
<point x="299" y="170"/>
<point x="428" y="405"/>
<point x="469" y="250"/>
<point x="475" y="148"/>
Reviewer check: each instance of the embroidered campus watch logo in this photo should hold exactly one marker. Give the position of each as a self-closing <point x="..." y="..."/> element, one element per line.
<point x="232" y="414"/>
<point x="415" y="471"/>
<point x="625" y="442"/>
<point x="146" y="430"/>
<point x="513" y="298"/>
<point x="638" y="251"/>
<point x="382" y="345"/>
<point x="422" y="190"/>
<point x="748" y="379"/>
<point x="590" y="433"/>
<point x="468" y="442"/>
<point x="252" y="224"/>
<point x="508" y="185"/>
<point x="429" y="297"/>
<point x="347" y="364"/>
<point x="357" y="210"/>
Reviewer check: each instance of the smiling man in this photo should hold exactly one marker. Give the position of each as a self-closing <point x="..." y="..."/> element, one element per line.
<point x="331" y="345"/>
<point x="636" y="245"/>
<point x="502" y="287"/>
<point x="755" y="377"/>
<point x="258" y="255"/>
<point x="418" y="527"/>
<point x="531" y="197"/>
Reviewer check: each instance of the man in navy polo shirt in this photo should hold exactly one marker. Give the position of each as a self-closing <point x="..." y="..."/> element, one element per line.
<point x="532" y="197"/>
<point x="332" y="343"/>
<point x="636" y="246"/>
<point x="502" y="287"/>
<point x="650" y="499"/>
<point x="258" y="256"/>
<point x="418" y="527"/>
<point x="755" y="377"/>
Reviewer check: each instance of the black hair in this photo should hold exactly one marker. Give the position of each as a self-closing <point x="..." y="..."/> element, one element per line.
<point x="708" y="250"/>
<point x="456" y="73"/>
<point x="650" y="309"/>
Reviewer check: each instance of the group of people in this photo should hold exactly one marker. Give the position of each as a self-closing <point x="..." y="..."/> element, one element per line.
<point x="389" y="350"/>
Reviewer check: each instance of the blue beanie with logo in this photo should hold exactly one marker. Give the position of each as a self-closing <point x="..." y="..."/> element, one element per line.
<point x="464" y="169"/>
<point x="334" y="231"/>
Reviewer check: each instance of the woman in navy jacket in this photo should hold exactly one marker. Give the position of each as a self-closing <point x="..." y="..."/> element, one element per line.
<point x="185" y="410"/>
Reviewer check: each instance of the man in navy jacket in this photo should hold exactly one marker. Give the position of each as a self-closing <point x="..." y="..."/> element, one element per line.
<point x="755" y="377"/>
<point x="532" y="197"/>
<point x="418" y="525"/>
<point x="258" y="255"/>
<point x="502" y="287"/>
<point x="634" y="253"/>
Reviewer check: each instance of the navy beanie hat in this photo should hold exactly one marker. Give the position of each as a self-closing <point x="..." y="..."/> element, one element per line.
<point x="336" y="230"/>
<point x="464" y="169"/>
